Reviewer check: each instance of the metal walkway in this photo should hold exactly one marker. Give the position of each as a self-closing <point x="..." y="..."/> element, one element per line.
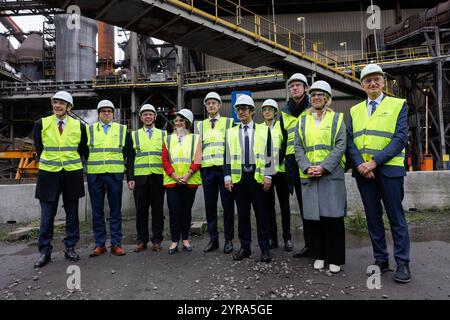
<point x="238" y="35"/>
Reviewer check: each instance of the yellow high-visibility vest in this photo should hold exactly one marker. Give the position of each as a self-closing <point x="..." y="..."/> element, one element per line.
<point x="236" y="156"/>
<point x="372" y="134"/>
<point x="182" y="156"/>
<point x="105" y="150"/>
<point x="318" y="141"/>
<point x="148" y="152"/>
<point x="213" y="141"/>
<point x="60" y="151"/>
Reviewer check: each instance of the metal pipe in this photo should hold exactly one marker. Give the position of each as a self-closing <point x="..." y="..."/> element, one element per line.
<point x="439" y="77"/>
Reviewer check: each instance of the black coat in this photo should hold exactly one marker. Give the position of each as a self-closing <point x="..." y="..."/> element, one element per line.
<point x="50" y="184"/>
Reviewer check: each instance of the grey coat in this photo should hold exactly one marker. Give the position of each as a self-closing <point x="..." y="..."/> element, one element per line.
<point x="325" y="196"/>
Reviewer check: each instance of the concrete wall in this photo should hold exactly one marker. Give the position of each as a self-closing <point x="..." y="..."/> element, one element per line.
<point x="423" y="191"/>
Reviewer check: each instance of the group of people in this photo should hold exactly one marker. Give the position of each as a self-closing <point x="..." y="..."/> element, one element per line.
<point x="302" y="147"/>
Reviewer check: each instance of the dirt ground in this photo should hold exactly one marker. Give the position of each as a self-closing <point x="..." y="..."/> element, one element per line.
<point x="215" y="276"/>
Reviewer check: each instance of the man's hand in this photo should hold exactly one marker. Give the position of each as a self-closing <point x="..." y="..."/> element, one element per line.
<point x="366" y="167"/>
<point x="229" y="185"/>
<point x="131" y="184"/>
<point x="370" y="175"/>
<point x="266" y="184"/>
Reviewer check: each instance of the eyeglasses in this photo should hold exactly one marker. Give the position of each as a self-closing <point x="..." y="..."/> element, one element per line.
<point x="106" y="111"/>
<point x="242" y="108"/>
<point x="375" y="79"/>
<point x="317" y="94"/>
<point x="293" y="85"/>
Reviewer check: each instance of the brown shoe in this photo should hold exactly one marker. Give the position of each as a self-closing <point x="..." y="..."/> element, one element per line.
<point x="140" y="247"/>
<point x="117" y="251"/>
<point x="97" y="251"/>
<point x="156" y="246"/>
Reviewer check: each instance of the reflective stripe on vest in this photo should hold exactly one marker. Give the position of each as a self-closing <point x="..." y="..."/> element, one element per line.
<point x="319" y="141"/>
<point x="60" y="151"/>
<point x="372" y="134"/>
<point x="182" y="156"/>
<point x="290" y="125"/>
<point x="105" y="150"/>
<point x="259" y="143"/>
<point x="148" y="152"/>
<point x="213" y="141"/>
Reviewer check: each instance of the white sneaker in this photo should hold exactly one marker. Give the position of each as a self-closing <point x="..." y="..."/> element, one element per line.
<point x="334" y="268"/>
<point x="319" y="264"/>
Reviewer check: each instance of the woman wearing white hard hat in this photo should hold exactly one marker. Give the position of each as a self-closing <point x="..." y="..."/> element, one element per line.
<point x="269" y="111"/>
<point x="181" y="161"/>
<point x="320" y="144"/>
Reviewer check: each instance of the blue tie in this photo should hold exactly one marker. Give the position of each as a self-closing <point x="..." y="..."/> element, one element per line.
<point x="149" y="133"/>
<point x="106" y="128"/>
<point x="374" y="106"/>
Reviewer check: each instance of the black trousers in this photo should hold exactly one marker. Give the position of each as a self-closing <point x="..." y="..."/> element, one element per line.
<point x="328" y="240"/>
<point x="298" y="192"/>
<point x="249" y="193"/>
<point x="149" y="191"/>
<point x="180" y="200"/>
<point x="212" y="181"/>
<point x="279" y="183"/>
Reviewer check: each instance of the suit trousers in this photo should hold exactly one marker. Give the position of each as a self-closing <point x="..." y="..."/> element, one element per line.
<point x="390" y="191"/>
<point x="279" y="183"/>
<point x="98" y="185"/>
<point x="248" y="193"/>
<point x="149" y="191"/>
<point x="212" y="181"/>
<point x="48" y="213"/>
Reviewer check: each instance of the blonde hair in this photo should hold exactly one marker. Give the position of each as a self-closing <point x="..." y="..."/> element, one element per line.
<point x="327" y="104"/>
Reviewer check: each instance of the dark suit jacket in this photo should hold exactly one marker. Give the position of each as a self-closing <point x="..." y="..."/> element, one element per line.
<point x="396" y="145"/>
<point x="50" y="184"/>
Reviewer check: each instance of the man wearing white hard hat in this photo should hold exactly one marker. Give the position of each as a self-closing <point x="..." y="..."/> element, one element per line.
<point x="290" y="113"/>
<point x="145" y="178"/>
<point x="377" y="137"/>
<point x="269" y="111"/>
<point x="212" y="131"/>
<point x="60" y="142"/>
<point x="181" y="159"/>
<point x="108" y="147"/>
<point x="245" y="175"/>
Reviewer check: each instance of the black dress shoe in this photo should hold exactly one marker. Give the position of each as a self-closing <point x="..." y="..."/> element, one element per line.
<point x="265" y="257"/>
<point x="212" y="245"/>
<point x="228" y="247"/>
<point x="273" y="244"/>
<point x="288" y="246"/>
<point x="71" y="255"/>
<point x="382" y="264"/>
<point x="241" y="254"/>
<point x="302" y="253"/>
<point x="402" y="275"/>
<point x="42" y="260"/>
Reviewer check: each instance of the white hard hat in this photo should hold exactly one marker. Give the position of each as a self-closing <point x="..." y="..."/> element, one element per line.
<point x="147" y="107"/>
<point x="370" y="69"/>
<point x="105" y="104"/>
<point x="64" y="96"/>
<point x="244" y="99"/>
<point x="298" y="77"/>
<point x="270" y="103"/>
<point x="212" y="95"/>
<point x="321" y="86"/>
<point x="186" y="113"/>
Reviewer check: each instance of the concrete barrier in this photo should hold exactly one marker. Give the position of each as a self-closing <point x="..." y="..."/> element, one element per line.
<point x="423" y="191"/>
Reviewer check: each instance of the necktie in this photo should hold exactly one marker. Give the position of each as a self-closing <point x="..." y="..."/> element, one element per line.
<point x="213" y="123"/>
<point x="60" y="127"/>
<point x="149" y="133"/>
<point x="374" y="106"/>
<point x="106" y="128"/>
<point x="246" y="148"/>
